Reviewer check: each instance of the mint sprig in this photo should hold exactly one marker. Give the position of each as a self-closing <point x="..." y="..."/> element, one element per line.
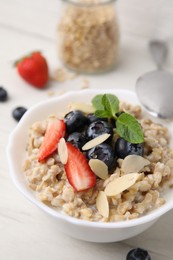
<point x="97" y="102"/>
<point x="111" y="104"/>
<point x="102" y="114"/>
<point x="106" y="105"/>
<point x="127" y="126"/>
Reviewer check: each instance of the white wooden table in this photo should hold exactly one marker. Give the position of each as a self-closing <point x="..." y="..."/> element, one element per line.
<point x="25" y="231"/>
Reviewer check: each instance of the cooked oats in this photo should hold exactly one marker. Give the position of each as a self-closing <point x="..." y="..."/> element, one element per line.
<point x="48" y="179"/>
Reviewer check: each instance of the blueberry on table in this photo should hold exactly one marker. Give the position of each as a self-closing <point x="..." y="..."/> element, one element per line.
<point x="18" y="112"/>
<point x="75" y="121"/>
<point x="3" y="94"/>
<point x="103" y="152"/>
<point x="98" y="128"/>
<point x="92" y="118"/>
<point x="77" y="139"/>
<point x="138" y="254"/>
<point x="124" y="148"/>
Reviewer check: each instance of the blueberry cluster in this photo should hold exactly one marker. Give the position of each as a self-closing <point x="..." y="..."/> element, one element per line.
<point x="81" y="128"/>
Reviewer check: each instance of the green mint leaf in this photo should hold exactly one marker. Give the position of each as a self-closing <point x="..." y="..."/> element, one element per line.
<point x="111" y="104"/>
<point x="97" y="102"/>
<point x="101" y="113"/>
<point x="129" y="128"/>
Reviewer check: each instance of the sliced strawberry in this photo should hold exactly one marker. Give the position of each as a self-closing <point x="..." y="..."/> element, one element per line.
<point x="78" y="172"/>
<point x="54" y="132"/>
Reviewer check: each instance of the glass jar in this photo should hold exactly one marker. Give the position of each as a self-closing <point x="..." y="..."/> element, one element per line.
<point x="89" y="35"/>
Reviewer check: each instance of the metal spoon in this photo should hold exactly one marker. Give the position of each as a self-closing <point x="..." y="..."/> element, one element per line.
<point x="155" y="89"/>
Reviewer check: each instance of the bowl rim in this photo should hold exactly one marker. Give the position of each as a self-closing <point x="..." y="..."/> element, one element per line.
<point x="151" y="216"/>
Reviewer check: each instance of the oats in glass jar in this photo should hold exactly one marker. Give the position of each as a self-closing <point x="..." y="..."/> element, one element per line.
<point x="89" y="36"/>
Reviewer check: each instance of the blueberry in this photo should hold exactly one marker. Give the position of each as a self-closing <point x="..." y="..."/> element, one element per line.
<point x="98" y="128"/>
<point x="138" y="254"/>
<point x="18" y="112"/>
<point x="92" y="118"/>
<point x="124" y="148"/>
<point x="77" y="139"/>
<point x="103" y="152"/>
<point x="3" y="94"/>
<point x="75" y="121"/>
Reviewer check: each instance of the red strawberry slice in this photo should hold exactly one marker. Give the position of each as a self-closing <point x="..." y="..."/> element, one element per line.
<point x="54" y="132"/>
<point x="78" y="172"/>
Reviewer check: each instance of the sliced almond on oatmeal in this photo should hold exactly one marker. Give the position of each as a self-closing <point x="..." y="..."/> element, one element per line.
<point x="96" y="141"/>
<point x="62" y="151"/>
<point x="102" y="204"/>
<point x="99" y="168"/>
<point x="86" y="108"/>
<point x="120" y="184"/>
<point x="134" y="163"/>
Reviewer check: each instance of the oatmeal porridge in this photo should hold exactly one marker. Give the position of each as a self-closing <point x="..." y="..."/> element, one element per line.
<point x="109" y="165"/>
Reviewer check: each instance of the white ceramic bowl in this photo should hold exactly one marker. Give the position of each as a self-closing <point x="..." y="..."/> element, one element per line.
<point x="85" y="230"/>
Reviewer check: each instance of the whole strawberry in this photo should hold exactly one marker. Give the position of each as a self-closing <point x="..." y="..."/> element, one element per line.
<point x="34" y="69"/>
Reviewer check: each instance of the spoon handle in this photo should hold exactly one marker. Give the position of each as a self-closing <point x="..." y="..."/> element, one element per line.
<point x="158" y="50"/>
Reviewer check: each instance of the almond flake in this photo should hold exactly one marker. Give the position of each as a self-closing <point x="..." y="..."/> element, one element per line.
<point x="86" y="108"/>
<point x="102" y="204"/>
<point x="62" y="151"/>
<point x="98" y="140"/>
<point x="121" y="184"/>
<point x="99" y="168"/>
<point x="134" y="163"/>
